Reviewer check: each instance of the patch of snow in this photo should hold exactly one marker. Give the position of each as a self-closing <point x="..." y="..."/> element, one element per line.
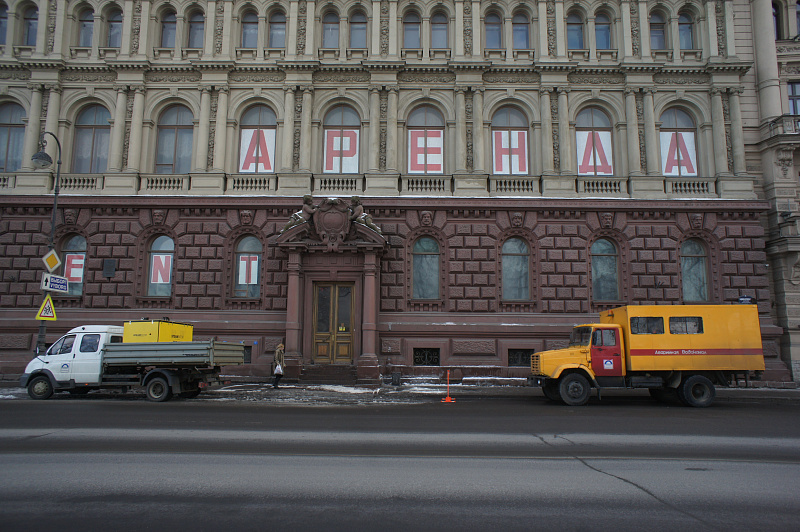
<point x="341" y="389"/>
<point x="8" y="396"/>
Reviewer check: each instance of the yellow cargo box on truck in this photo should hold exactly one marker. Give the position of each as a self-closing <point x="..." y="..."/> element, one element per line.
<point x="156" y="331"/>
<point x="681" y="350"/>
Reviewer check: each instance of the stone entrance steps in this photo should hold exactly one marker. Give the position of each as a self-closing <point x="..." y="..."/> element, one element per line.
<point x="329" y="374"/>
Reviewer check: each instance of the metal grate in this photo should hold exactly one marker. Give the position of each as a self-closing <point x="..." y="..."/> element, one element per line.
<point x="535" y="365"/>
<point x="426" y="356"/>
<point x="519" y="357"/>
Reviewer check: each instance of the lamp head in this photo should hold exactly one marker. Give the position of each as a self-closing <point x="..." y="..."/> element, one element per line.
<point x="42" y="160"/>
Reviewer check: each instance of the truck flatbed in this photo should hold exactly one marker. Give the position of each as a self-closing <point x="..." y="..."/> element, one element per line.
<point x="209" y="353"/>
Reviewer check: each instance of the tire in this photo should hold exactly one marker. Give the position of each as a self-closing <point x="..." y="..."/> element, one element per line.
<point x="550" y="390"/>
<point x="40" y="388"/>
<point x="158" y="390"/>
<point x="574" y="389"/>
<point x="697" y="391"/>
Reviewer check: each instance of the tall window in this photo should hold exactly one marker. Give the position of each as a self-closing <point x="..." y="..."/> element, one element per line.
<point x="168" y="26"/>
<point x="425" y="267"/>
<point x="493" y="25"/>
<point x="605" y="271"/>
<point x="174" y="142"/>
<point x="114" y="29"/>
<point x="257" y="142"/>
<point x="595" y="150"/>
<point x="521" y="31"/>
<point x="358" y="30"/>
<point x="516" y="279"/>
<point x="439" y="31"/>
<point x="277" y="30"/>
<point x="3" y="23"/>
<point x="248" y="267"/>
<point x="197" y="22"/>
<point x="602" y="31"/>
<point x="509" y="142"/>
<point x="249" y="30"/>
<point x="330" y="30"/>
<point x="12" y="132"/>
<point x="74" y="256"/>
<point x="658" y="32"/>
<point x="575" y="32"/>
<point x="159" y="281"/>
<point x="425" y="141"/>
<point x="776" y="21"/>
<point x="411" y="35"/>
<point x="91" y="140"/>
<point x="686" y="31"/>
<point x="694" y="271"/>
<point x="85" y="28"/>
<point x="794" y="98"/>
<point x="341" y="129"/>
<point x="30" y="21"/>
<point x="678" y="148"/>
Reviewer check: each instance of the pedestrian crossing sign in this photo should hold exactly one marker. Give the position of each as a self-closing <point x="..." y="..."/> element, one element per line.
<point x="47" y="311"/>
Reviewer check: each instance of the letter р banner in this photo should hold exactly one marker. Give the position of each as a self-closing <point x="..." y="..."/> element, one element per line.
<point x="341" y="151"/>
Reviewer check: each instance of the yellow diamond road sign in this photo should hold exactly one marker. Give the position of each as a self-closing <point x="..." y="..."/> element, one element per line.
<point x="51" y="261"/>
<point x="47" y="311"/>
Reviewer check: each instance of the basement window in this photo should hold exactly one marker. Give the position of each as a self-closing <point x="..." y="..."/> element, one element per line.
<point x="519" y="357"/>
<point x="426" y="356"/>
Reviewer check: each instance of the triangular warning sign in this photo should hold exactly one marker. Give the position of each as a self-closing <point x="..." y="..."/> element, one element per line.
<point x="47" y="311"/>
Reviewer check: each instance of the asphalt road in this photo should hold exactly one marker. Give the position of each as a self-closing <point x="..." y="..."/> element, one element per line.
<point x="482" y="463"/>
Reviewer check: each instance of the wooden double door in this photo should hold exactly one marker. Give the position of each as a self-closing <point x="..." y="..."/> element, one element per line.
<point x="333" y="322"/>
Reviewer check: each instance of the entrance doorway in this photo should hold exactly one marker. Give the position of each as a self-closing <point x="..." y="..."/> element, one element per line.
<point x="333" y="323"/>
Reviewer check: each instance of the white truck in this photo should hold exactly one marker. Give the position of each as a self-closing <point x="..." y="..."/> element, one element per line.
<point x="91" y="357"/>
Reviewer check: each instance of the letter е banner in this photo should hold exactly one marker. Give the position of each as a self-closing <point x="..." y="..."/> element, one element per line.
<point x="73" y="267"/>
<point x="678" y="153"/>
<point x="510" y="152"/>
<point x="594" y="153"/>
<point x="426" y="151"/>
<point x="341" y="151"/>
<point x="257" y="151"/>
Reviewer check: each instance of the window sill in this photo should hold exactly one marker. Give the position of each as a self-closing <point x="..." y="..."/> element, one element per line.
<point x="274" y="53"/>
<point x="494" y="53"/>
<point x="192" y="53"/>
<point x="357" y="53"/>
<point x="246" y="53"/>
<point x="411" y="53"/>
<point x="328" y="53"/>
<point x="109" y="53"/>
<point x="661" y="55"/>
<point x="163" y="53"/>
<point x="606" y="55"/>
<point x="578" y="55"/>
<point x="691" y="55"/>
<point x="524" y="54"/>
<point x="439" y="53"/>
<point x="80" y="52"/>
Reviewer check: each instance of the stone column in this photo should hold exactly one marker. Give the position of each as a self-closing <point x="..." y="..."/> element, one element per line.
<point x="627" y="44"/>
<point x="477" y="131"/>
<point x="391" y="131"/>
<point x="766" y="64"/>
<point x="180" y="24"/>
<point x="644" y="29"/>
<point x="137" y="119"/>
<point x="541" y="30"/>
<point x="564" y="137"/>
<point x="508" y="37"/>
<point x="287" y="146"/>
<point x="369" y="324"/>
<point x="51" y="120"/>
<point x="737" y="133"/>
<point x="294" y="338"/>
<point x="650" y="138"/>
<point x="374" y="128"/>
<point x="305" y="129"/>
<point x="375" y="42"/>
<point x="32" y="130"/>
<point x="710" y="48"/>
<point x="221" y="131"/>
<point x="591" y="38"/>
<point x="311" y="25"/>
<point x="117" y="141"/>
<point x="461" y="130"/>
<point x="632" y="122"/>
<point x="203" y="128"/>
<point x="561" y="29"/>
<point x="393" y="23"/>
<point x="718" y="129"/>
<point x="144" y="30"/>
<point x="292" y="23"/>
<point x="548" y="161"/>
<point x="459" y="27"/>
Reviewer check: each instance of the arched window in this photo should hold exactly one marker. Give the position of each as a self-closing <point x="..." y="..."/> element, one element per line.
<point x="493" y="25"/>
<point x="197" y="22"/>
<point x="605" y="271"/>
<point x="575" y="32"/>
<point x="3" y="23"/>
<point x="250" y="30"/>
<point x="168" y="26"/>
<point x="439" y="31"/>
<point x="12" y="133"/>
<point x="358" y="30"/>
<point x="30" y="20"/>
<point x="174" y="142"/>
<point x="521" y="31"/>
<point x="411" y="35"/>
<point x="277" y="30"/>
<point x="248" y="267"/>
<point x="509" y="142"/>
<point x="85" y="28"/>
<point x="330" y="30"/>
<point x="92" y="132"/>
<point x="160" y="255"/>
<point x="602" y="31"/>
<point x="425" y="267"/>
<point x="114" y="39"/>
<point x="658" y="32"/>
<point x="341" y="130"/>
<point x="694" y="271"/>
<point x="678" y="147"/>
<point x="686" y="31"/>
<point x="595" y="150"/>
<point x="425" y="141"/>
<point x="74" y="256"/>
<point x="516" y="277"/>
<point x="257" y="140"/>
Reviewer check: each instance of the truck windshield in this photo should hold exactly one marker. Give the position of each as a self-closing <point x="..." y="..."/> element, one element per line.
<point x="580" y="336"/>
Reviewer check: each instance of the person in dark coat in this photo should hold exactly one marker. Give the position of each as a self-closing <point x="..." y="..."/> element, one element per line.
<point x="278" y="365"/>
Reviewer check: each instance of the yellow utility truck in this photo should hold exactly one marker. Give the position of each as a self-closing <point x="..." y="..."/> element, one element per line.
<point x="680" y="350"/>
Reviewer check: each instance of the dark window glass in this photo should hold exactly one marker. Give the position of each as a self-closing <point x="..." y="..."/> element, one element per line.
<point x="114" y="29"/>
<point x="425" y="257"/>
<point x="519" y="357"/>
<point x="686" y="325"/>
<point x="521" y="31"/>
<point x="30" y="26"/>
<point x="168" y="26"/>
<point x="330" y="31"/>
<point x="575" y="32"/>
<point x="647" y="325"/>
<point x="658" y="32"/>
<point x="493" y="25"/>
<point x="85" y="28"/>
<point x="174" y="142"/>
<point x="516" y="277"/>
<point x="605" y="271"/>
<point x="602" y="31"/>
<point x="694" y="271"/>
<point x="249" y="30"/>
<point x="426" y="356"/>
<point x="92" y="131"/>
<point x="411" y="36"/>
<point x="277" y="30"/>
<point x="439" y="31"/>
<point x="358" y="30"/>
<point x="12" y="133"/>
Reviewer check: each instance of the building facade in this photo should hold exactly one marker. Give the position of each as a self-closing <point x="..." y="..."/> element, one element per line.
<point x="520" y="167"/>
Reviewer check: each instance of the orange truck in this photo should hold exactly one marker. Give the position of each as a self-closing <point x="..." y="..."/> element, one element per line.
<point x="672" y="350"/>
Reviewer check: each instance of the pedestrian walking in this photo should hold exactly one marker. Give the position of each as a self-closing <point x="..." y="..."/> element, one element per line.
<point x="277" y="365"/>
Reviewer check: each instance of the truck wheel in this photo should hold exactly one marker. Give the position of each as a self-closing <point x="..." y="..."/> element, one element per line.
<point x="550" y="390"/>
<point x="158" y="390"/>
<point x="574" y="389"/>
<point x="697" y="391"/>
<point x="40" y="388"/>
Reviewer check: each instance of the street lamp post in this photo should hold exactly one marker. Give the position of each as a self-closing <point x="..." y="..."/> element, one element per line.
<point x="42" y="160"/>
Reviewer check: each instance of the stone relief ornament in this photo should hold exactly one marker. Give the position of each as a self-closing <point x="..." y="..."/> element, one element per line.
<point x="70" y="216"/>
<point x="246" y="217"/>
<point x="720" y="13"/>
<point x="468" y="28"/>
<point x="495" y="76"/>
<point x="357" y="214"/>
<point x="219" y="24"/>
<point x="384" y="28"/>
<point x="696" y="221"/>
<point x="635" y="44"/>
<point x="159" y="216"/>
<point x="301" y="30"/>
<point x="137" y="26"/>
<point x="426" y="218"/>
<point x="606" y="219"/>
<point x="516" y="219"/>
